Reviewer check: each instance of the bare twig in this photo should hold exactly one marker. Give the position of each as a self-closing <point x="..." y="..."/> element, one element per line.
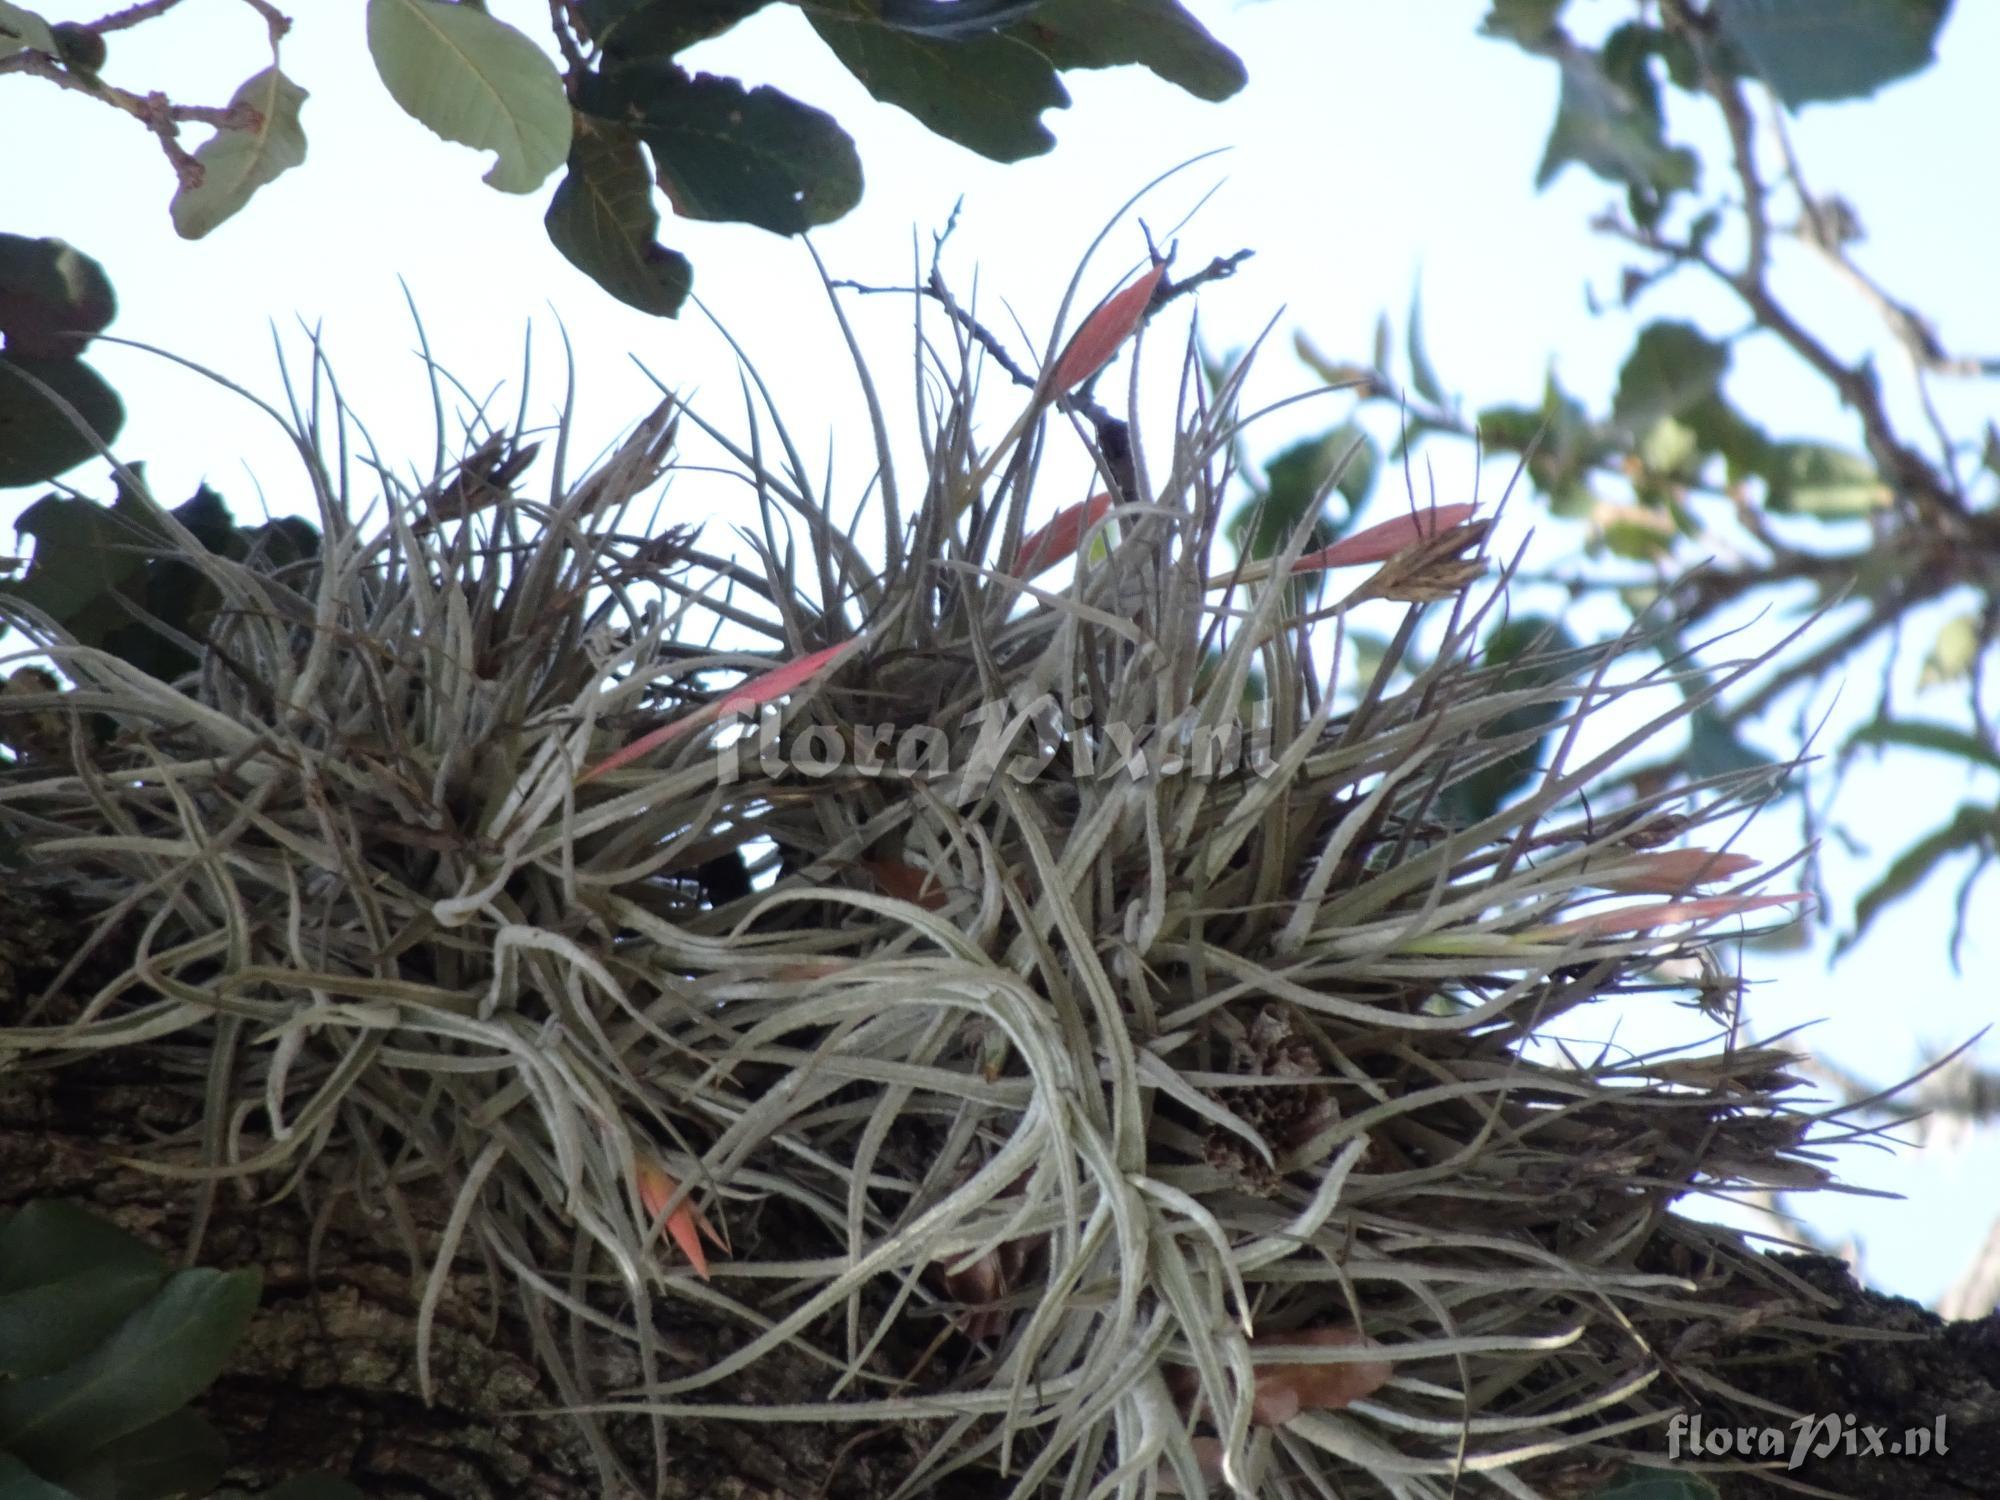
<point x="1826" y="226"/>
<point x="132" y="15"/>
<point x="275" y="20"/>
<point x="1935" y="495"/>
<point x="562" y="21"/>
<point x="155" y="111"/>
<point x="1221" y="267"/>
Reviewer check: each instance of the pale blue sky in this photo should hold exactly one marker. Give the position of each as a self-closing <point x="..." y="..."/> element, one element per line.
<point x="1374" y="141"/>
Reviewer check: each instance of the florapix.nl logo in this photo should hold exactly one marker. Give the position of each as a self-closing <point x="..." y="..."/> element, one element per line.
<point x="1803" y="1438"/>
<point x="1018" y="740"/>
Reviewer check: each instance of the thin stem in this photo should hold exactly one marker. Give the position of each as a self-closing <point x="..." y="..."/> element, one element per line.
<point x="132" y="15"/>
<point x="155" y="111"/>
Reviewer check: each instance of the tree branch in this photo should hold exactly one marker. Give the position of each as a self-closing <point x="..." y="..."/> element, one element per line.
<point x="1935" y="496"/>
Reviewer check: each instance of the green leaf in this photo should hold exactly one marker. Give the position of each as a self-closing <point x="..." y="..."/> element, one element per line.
<point x="985" y="92"/>
<point x="1334" y="372"/>
<point x="1670" y="450"/>
<point x="1719" y="428"/>
<point x="752" y="156"/>
<point x="161" y="1358"/>
<point x="1298" y="482"/>
<point x="1814" y="479"/>
<point x="1371" y="650"/>
<point x="52" y="297"/>
<point x="1412" y="432"/>
<point x="45" y="1327"/>
<point x="38" y="440"/>
<point x="1509" y="429"/>
<point x="235" y="163"/>
<point x="24" y="31"/>
<point x="1347" y="456"/>
<point x="1608" y="120"/>
<point x="1561" y="441"/>
<point x="49" y="1239"/>
<point x="951" y="18"/>
<point x="1954" y="653"/>
<point x="67" y="1279"/>
<point x="1477" y="796"/>
<point x="84" y="555"/>
<point x="476" y="81"/>
<point x="1682" y="60"/>
<point x="1714" y="750"/>
<point x="1971" y="827"/>
<point x="1526" y="23"/>
<point x="1638" y="532"/>
<point x="1422" y="375"/>
<point x="603" y="221"/>
<point x="1157" y="34"/>
<point x="19" y="1482"/>
<point x="1810" y="50"/>
<point x="659" y="28"/>
<point x="1672" y="368"/>
<point x="1919" y="734"/>
<point x="181" y="1454"/>
<point x="95" y="565"/>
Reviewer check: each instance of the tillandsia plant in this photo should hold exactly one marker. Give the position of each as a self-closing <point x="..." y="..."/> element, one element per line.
<point x="924" y="965"/>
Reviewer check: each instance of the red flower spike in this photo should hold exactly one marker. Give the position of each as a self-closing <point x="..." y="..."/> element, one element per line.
<point x="1379" y="543"/>
<point x="1628" y="919"/>
<point x="757" y="691"/>
<point x="686" y="1225"/>
<point x="1041" y="550"/>
<point x="1668" y="872"/>
<point x="1103" y="333"/>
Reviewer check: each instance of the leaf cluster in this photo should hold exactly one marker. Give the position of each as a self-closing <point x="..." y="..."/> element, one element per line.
<point x="102" y="1348"/>
<point x="1082" y="1078"/>
<point x="623" y="114"/>
<point x="1676" y="467"/>
<point x="55" y="410"/>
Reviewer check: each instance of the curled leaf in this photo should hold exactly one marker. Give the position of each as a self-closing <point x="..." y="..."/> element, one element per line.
<point x="1104" y="332"/>
<point x="239" y="159"/>
<point x="476" y="80"/>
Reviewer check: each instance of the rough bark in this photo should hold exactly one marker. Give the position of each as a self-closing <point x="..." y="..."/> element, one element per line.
<point x="327" y="1378"/>
<point x="1892" y="1366"/>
